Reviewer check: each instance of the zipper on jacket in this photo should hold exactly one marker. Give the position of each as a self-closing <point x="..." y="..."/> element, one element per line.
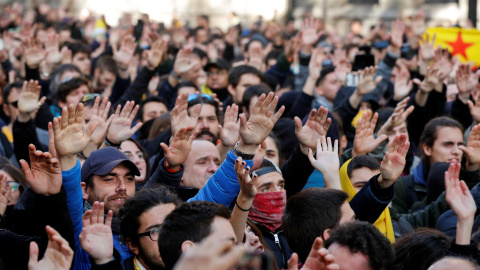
<point x="277" y="241"/>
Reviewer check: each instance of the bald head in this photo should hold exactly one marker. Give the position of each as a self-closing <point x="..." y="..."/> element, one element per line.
<point x="449" y="263"/>
<point x="202" y="162"/>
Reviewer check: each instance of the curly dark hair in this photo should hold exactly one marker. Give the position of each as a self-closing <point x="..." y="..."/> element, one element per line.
<point x="189" y="221"/>
<point x="141" y="202"/>
<point x="365" y="238"/>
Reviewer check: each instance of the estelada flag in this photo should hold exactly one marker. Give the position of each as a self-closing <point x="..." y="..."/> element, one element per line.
<point x="463" y="43"/>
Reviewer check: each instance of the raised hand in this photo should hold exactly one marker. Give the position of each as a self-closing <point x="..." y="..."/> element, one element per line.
<point x="4" y="194"/>
<point x="427" y="50"/>
<point x="230" y="131"/>
<point x="28" y="101"/>
<point x="45" y="175"/>
<point x="69" y="136"/>
<point x="247" y="184"/>
<point x="34" y="53"/>
<point x="259" y="155"/>
<point x="403" y="84"/>
<point x="398" y="117"/>
<point x="396" y="38"/>
<point x="475" y="109"/>
<point x="261" y="121"/>
<point x="96" y="237"/>
<point x="318" y="259"/>
<point x="364" y="141"/>
<point x="58" y="255"/>
<point x="316" y="126"/>
<point x="182" y="61"/>
<point x="121" y="127"/>
<point x="99" y="113"/>
<point x="177" y="152"/>
<point x="431" y="81"/>
<point x="156" y="54"/>
<point x="327" y="162"/>
<point x="124" y="55"/>
<point x="309" y="32"/>
<point x="466" y="79"/>
<point x="54" y="57"/>
<point x="441" y="60"/>
<point x="458" y="195"/>
<point x="179" y="116"/>
<point x="394" y="161"/>
<point x="367" y="83"/>
<point x="315" y="65"/>
<point x="211" y="254"/>
<point x="472" y="150"/>
<point x="232" y="36"/>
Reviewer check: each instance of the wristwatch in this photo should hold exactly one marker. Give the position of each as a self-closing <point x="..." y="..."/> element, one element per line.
<point x="239" y="153"/>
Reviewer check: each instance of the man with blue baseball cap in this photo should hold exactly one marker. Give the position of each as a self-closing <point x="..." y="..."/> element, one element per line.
<point x="108" y="176"/>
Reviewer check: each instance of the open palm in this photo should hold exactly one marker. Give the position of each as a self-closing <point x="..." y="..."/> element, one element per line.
<point x="45" y="175"/>
<point x="457" y="194"/>
<point x="69" y="136"/>
<point x="364" y="141"/>
<point x="394" y="161"/>
<point x="96" y="237"/>
<point x="262" y="120"/>
<point x="316" y="126"/>
<point x="121" y="127"/>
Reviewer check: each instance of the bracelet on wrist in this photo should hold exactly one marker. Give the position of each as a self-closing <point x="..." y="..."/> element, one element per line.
<point x="110" y="143"/>
<point x="239" y="153"/>
<point x="242" y="209"/>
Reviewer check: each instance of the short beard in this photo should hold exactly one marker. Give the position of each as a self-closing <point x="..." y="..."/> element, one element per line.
<point x="150" y="259"/>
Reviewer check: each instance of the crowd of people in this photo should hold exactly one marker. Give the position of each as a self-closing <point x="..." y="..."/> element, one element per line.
<point x="146" y="147"/>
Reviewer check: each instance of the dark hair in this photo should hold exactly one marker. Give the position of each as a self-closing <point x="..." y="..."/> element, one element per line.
<point x="79" y="47"/>
<point x="323" y="74"/>
<point x="138" y="204"/>
<point x="148" y="100"/>
<point x="237" y="72"/>
<point x="55" y="78"/>
<point x="186" y="84"/>
<point x="362" y="161"/>
<point x="420" y="249"/>
<point x="308" y="214"/>
<point x="430" y="133"/>
<point x="106" y="63"/>
<point x="8" y="89"/>
<point x="274" y="54"/>
<point x="189" y="221"/>
<point x="252" y="91"/>
<point x="146" y="157"/>
<point x="159" y="125"/>
<point x="67" y="87"/>
<point x="15" y="173"/>
<point x="365" y="238"/>
<point x="204" y="100"/>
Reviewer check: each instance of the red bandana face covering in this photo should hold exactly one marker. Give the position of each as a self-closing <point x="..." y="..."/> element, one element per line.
<point x="267" y="209"/>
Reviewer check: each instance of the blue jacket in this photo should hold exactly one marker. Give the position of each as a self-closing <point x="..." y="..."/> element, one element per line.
<point x="223" y="186"/>
<point x="71" y="182"/>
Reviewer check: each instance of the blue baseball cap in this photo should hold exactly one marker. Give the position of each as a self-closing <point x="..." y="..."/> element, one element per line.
<point x="104" y="160"/>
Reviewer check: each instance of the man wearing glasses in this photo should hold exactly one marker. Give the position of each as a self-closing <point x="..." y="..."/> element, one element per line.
<point x="141" y="218"/>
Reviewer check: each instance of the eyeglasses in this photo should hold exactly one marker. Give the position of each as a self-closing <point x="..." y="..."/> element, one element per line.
<point x="88" y="97"/>
<point x="14" y="104"/>
<point x="152" y="233"/>
<point x="195" y="96"/>
<point x="13" y="185"/>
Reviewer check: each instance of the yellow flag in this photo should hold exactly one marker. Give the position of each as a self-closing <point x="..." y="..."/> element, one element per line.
<point x="463" y="43"/>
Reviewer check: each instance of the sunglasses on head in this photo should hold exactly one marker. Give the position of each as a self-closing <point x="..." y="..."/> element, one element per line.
<point x="88" y="97"/>
<point x="195" y="96"/>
